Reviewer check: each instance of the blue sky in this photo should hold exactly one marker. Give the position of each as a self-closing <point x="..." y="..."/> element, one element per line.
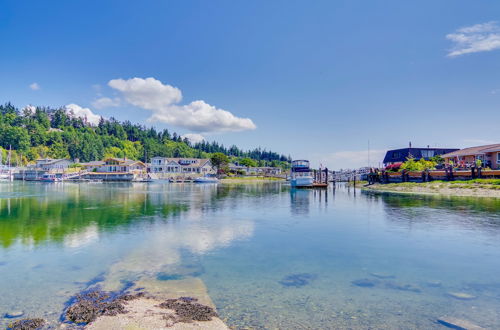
<point x="313" y="79"/>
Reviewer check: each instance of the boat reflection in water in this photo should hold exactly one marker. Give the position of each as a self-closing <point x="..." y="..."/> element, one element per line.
<point x="301" y="199"/>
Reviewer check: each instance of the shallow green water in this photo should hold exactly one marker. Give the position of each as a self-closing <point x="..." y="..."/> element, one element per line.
<point x="270" y="257"/>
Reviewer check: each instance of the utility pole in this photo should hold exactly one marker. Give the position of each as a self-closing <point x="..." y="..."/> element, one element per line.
<point x="369" y="153"/>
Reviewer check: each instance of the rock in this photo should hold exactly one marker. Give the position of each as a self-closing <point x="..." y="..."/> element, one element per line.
<point x="187" y="309"/>
<point x="454" y="323"/>
<point x="382" y="275"/>
<point x="92" y="304"/>
<point x="461" y="295"/>
<point x="364" y="283"/>
<point x="27" y="324"/>
<point x="13" y="314"/>
<point x="297" y="280"/>
<point x="434" y="284"/>
<point x="168" y="277"/>
<point x="403" y="287"/>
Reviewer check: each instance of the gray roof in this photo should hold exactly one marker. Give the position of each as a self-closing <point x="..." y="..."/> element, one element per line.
<point x="474" y="150"/>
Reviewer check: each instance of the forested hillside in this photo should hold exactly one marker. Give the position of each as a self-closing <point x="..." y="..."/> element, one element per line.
<point x="57" y="133"/>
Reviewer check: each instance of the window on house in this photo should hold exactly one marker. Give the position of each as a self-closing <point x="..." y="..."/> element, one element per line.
<point x="498" y="158"/>
<point x="396" y="155"/>
<point x="427" y="153"/>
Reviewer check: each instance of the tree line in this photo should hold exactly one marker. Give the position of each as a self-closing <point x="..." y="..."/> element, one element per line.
<point x="41" y="132"/>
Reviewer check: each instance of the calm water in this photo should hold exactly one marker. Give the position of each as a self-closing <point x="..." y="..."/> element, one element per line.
<point x="270" y="257"/>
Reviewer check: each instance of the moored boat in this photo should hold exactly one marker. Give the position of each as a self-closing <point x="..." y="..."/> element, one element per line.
<point x="206" y="179"/>
<point x="301" y="174"/>
<point x="50" y="177"/>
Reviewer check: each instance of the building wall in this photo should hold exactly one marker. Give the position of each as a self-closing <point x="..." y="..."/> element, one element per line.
<point x="495" y="162"/>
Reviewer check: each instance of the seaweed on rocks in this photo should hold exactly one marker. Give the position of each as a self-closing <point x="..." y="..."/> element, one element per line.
<point x="27" y="324"/>
<point x="297" y="280"/>
<point x="187" y="310"/>
<point x="88" y="306"/>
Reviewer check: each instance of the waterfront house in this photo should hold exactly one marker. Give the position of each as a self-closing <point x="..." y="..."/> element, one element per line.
<point x="181" y="166"/>
<point x="92" y="166"/>
<point x="121" y="165"/>
<point x="52" y="165"/>
<point x="263" y="170"/>
<point x="488" y="154"/>
<point x="401" y="155"/>
<point x="237" y="168"/>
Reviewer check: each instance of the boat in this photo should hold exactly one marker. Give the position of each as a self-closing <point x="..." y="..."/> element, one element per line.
<point x="206" y="179"/>
<point x="50" y="177"/>
<point x="300" y="175"/>
<point x="6" y="176"/>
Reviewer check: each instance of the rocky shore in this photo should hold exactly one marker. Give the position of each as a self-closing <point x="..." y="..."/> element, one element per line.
<point x="147" y="304"/>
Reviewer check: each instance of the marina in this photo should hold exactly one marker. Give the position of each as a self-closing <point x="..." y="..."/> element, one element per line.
<point x="346" y="259"/>
<point x="249" y="165"/>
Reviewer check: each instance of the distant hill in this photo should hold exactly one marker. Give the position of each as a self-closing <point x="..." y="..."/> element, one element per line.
<point x="58" y="133"/>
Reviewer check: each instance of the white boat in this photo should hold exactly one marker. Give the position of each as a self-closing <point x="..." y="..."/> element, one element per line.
<point x="206" y="179"/>
<point x="301" y="174"/>
<point x="5" y="176"/>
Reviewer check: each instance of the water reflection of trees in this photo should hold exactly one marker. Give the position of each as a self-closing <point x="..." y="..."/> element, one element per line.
<point x="36" y="213"/>
<point x="54" y="213"/>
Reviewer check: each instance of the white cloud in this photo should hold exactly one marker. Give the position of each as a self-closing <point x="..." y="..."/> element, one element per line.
<point x="193" y="138"/>
<point x="84" y="113"/>
<point x="34" y="86"/>
<point x="29" y="109"/>
<point x="198" y="116"/>
<point x="106" y="102"/>
<point x="147" y="93"/>
<point x="352" y="159"/>
<point x="476" y="38"/>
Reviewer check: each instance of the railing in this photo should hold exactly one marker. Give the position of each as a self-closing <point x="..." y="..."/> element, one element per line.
<point x="426" y="176"/>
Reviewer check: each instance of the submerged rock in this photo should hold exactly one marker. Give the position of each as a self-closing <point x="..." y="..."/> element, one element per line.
<point x="168" y="277"/>
<point x="364" y="283"/>
<point x="382" y="275"/>
<point x="13" y="314"/>
<point x="27" y="324"/>
<point x="403" y="287"/>
<point x="461" y="295"/>
<point x="187" y="310"/>
<point x="454" y="323"/>
<point x="434" y="284"/>
<point x="297" y="280"/>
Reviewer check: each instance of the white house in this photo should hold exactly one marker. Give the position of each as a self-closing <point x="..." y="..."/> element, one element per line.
<point x="49" y="164"/>
<point x="166" y="165"/>
<point x="265" y="170"/>
<point x="116" y="165"/>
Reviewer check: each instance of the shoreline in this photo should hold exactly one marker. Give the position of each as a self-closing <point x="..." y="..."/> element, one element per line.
<point x="259" y="179"/>
<point x="438" y="188"/>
